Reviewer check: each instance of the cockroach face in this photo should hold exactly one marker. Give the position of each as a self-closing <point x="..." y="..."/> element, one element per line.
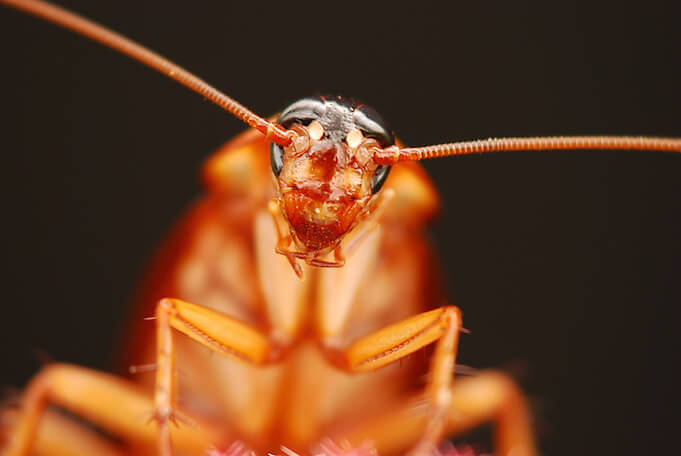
<point x="327" y="177"/>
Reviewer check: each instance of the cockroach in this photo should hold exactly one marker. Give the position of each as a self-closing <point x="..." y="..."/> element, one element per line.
<point x="304" y="263"/>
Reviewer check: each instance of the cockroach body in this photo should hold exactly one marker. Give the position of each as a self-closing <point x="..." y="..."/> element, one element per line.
<point x="222" y="254"/>
<point x="308" y="339"/>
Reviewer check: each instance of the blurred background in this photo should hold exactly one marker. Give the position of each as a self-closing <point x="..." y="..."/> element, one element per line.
<point x="567" y="265"/>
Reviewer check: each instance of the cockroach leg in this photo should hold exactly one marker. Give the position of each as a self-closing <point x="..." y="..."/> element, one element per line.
<point x="102" y="399"/>
<point x="212" y="329"/>
<point x="489" y="396"/>
<point x="400" y="339"/>
<point x="440" y="379"/>
<point x="58" y="434"/>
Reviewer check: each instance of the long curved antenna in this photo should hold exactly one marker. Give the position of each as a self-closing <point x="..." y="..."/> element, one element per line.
<point x="394" y="154"/>
<point x="103" y="35"/>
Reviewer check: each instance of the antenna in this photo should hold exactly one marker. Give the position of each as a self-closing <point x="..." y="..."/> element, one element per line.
<point x="107" y="37"/>
<point x="394" y="154"/>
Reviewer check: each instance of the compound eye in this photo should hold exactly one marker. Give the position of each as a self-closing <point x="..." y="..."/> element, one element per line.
<point x="373" y="126"/>
<point x="276" y="158"/>
<point x="379" y="178"/>
<point x="302" y="112"/>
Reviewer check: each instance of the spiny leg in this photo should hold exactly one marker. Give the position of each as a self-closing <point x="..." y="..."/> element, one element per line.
<point x="398" y="340"/>
<point x="440" y="379"/>
<point x="113" y="404"/>
<point x="217" y="331"/>
<point x="487" y="397"/>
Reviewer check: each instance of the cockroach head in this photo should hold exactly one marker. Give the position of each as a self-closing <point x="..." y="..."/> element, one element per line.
<point x="327" y="176"/>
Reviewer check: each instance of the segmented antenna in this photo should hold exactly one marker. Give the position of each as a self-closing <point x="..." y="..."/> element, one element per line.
<point x="394" y="154"/>
<point x="283" y="137"/>
<point x="103" y="35"/>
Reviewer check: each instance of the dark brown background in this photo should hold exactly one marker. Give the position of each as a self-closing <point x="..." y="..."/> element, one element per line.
<point x="567" y="265"/>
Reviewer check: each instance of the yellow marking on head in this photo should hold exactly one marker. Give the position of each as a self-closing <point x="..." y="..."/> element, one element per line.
<point x="354" y="138"/>
<point x="316" y="130"/>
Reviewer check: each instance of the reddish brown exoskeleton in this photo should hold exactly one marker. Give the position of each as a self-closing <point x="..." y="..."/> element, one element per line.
<point x="315" y="186"/>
